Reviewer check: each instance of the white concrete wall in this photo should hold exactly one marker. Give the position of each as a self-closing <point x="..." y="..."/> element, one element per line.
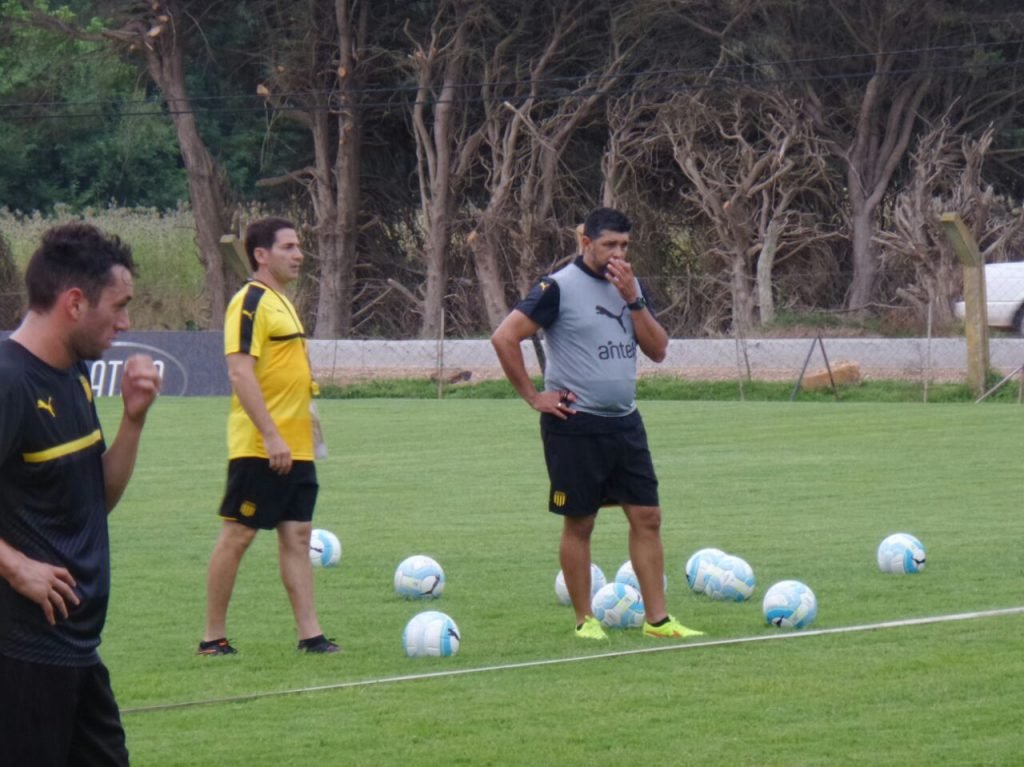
<point x="767" y="358"/>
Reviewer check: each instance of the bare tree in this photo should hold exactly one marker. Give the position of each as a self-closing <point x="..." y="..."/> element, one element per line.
<point x="314" y="75"/>
<point x="883" y="127"/>
<point x="156" y="30"/>
<point x="749" y="158"/>
<point x="946" y="177"/>
<point x="533" y="108"/>
<point x="447" y="141"/>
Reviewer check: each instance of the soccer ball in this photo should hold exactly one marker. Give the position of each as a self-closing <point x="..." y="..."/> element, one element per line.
<point x="597" y="580"/>
<point x="790" y="605"/>
<point x="627" y="575"/>
<point x="698" y="567"/>
<point x="901" y="553"/>
<point x="431" y="633"/>
<point x="324" y="548"/>
<point x="730" y="579"/>
<point x="419" y="577"/>
<point x="618" y="606"/>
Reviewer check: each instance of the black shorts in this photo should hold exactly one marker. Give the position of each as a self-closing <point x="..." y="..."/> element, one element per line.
<point x="53" y="716"/>
<point x="260" y="498"/>
<point x="588" y="471"/>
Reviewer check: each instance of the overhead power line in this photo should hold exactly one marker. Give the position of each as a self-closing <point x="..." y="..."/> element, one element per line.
<point x="722" y="70"/>
<point x="731" y="76"/>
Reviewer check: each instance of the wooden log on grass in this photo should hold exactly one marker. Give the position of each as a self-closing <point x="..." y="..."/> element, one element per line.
<point x="842" y="373"/>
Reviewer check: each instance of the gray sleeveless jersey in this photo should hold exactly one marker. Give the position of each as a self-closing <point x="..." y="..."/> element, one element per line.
<point x="591" y="347"/>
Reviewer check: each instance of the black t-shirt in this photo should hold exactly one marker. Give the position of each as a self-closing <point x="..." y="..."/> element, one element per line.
<point x="52" y="504"/>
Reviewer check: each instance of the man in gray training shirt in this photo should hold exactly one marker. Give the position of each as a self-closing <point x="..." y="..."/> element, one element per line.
<point x="595" y="316"/>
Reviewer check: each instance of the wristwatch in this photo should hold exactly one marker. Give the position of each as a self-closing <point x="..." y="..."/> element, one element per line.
<point x="637" y="305"/>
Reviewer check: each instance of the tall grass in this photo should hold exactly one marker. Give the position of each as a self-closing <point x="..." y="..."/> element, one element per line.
<point x="169" y="284"/>
<point x="800" y="490"/>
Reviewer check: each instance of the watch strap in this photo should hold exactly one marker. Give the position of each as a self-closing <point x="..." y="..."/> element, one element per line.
<point x="637" y="305"/>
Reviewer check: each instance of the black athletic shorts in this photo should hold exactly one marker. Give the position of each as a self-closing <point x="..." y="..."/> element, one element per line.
<point x="588" y="471"/>
<point x="260" y="498"/>
<point x="54" y="716"/>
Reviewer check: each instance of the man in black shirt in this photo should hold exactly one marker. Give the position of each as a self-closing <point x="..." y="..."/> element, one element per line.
<point x="58" y="482"/>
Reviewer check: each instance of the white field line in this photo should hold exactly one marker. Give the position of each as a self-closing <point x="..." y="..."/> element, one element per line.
<point x="673" y="647"/>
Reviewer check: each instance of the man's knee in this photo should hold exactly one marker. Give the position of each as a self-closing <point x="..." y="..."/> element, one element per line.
<point x="579" y="527"/>
<point x="644" y="518"/>
<point x="294" y="535"/>
<point x="236" y="537"/>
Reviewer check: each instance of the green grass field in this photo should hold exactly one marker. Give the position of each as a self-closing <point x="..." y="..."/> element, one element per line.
<point x="802" y="490"/>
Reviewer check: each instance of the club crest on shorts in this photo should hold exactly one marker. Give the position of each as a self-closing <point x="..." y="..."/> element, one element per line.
<point x="558" y="498"/>
<point x="247" y="509"/>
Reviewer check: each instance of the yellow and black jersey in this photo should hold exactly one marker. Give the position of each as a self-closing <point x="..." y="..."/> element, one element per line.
<point x="263" y="323"/>
<point x="52" y="504"/>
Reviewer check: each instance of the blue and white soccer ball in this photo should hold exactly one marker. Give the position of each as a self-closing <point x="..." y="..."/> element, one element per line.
<point x="419" y="577"/>
<point x="627" y="575"/>
<point x="790" y="605"/>
<point x="324" y="548"/>
<point x="618" y="606"/>
<point x="901" y="553"/>
<point x="699" y="567"/>
<point x="431" y="633"/>
<point x="597" y="580"/>
<point x="730" y="579"/>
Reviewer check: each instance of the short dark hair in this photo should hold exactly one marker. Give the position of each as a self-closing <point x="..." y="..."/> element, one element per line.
<point x="75" y="255"/>
<point x="261" y="234"/>
<point x="606" y="220"/>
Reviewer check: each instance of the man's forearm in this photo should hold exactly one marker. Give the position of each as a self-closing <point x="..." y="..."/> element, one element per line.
<point x="119" y="459"/>
<point x="510" y="355"/>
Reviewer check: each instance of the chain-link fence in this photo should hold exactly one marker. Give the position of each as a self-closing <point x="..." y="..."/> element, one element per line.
<point x="921" y="360"/>
<point x="904" y="342"/>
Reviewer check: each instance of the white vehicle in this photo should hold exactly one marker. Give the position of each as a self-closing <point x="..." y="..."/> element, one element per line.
<point x="1004" y="294"/>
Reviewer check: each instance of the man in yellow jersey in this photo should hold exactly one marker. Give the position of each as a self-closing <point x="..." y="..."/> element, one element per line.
<point x="271" y="474"/>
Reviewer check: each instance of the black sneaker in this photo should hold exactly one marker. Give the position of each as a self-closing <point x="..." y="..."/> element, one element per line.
<point x="216" y="647"/>
<point x="318" y="644"/>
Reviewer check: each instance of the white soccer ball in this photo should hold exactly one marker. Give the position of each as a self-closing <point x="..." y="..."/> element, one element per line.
<point x="698" y="567"/>
<point x="324" y="548"/>
<point x="431" y="633"/>
<point x="789" y="604"/>
<point x="597" y="580"/>
<point x="730" y="579"/>
<point x="627" y="575"/>
<point x="901" y="553"/>
<point x="618" y="606"/>
<point x="419" y="577"/>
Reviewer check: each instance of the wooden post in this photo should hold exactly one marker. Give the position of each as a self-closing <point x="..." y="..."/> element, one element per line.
<point x="975" y="301"/>
<point x="233" y="253"/>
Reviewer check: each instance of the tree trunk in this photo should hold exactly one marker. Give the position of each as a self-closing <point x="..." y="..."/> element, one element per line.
<point x="164" y="60"/>
<point x="437" y="273"/>
<point x="765" y="263"/>
<point x="865" y="257"/>
<point x="443" y="155"/>
<point x="488" y="271"/>
<point x="157" y="31"/>
<point x="338" y="246"/>
<point x="882" y="134"/>
<point x="742" y="296"/>
<point x="338" y="287"/>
